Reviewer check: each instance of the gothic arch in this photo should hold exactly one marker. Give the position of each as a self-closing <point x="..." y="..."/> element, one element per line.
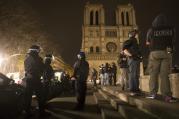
<point x="91" y="17"/>
<point x="91" y="49"/>
<point x="97" y="49"/>
<point x="97" y="17"/>
<point x="127" y="18"/>
<point x="122" y="18"/>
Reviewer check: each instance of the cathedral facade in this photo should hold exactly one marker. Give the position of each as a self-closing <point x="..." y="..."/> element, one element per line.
<point x="102" y="43"/>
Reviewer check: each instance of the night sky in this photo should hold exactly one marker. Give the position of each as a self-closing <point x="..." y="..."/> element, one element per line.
<point x="63" y="19"/>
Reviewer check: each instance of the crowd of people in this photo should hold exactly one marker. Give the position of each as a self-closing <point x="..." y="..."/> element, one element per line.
<point x="159" y="39"/>
<point x="107" y="74"/>
<point x="35" y="68"/>
<point x="39" y="75"/>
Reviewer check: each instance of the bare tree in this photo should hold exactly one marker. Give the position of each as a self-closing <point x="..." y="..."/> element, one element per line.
<point x="20" y="27"/>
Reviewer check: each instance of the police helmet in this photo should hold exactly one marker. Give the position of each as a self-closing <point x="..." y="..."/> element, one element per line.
<point x="81" y="55"/>
<point x="132" y="33"/>
<point x="34" y="48"/>
<point x="48" y="58"/>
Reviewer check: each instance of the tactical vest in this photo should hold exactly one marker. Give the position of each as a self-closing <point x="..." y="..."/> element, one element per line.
<point x="162" y="37"/>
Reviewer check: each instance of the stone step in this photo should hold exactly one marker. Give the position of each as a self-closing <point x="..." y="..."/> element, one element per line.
<point x="107" y="111"/>
<point x="114" y="101"/>
<point x="156" y="108"/>
<point x="126" y="110"/>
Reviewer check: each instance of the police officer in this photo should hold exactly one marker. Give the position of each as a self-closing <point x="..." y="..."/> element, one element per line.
<point x="123" y="65"/>
<point x="101" y="75"/>
<point x="65" y="82"/>
<point x="34" y="66"/>
<point x="48" y="74"/>
<point x="160" y="38"/>
<point x="113" y="73"/>
<point x="106" y="74"/>
<point x="94" y="74"/>
<point x="132" y="51"/>
<point x="81" y="70"/>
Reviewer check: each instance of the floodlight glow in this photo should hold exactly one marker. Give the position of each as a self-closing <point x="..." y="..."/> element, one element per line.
<point x="58" y="75"/>
<point x="1" y="59"/>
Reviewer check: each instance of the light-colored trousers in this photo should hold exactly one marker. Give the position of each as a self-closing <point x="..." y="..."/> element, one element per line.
<point x="124" y="77"/>
<point x="159" y="65"/>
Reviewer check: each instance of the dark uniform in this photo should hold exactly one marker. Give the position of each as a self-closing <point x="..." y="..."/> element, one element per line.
<point x="94" y="76"/>
<point x="123" y="65"/>
<point x="132" y="47"/>
<point x="110" y="80"/>
<point x="34" y="66"/>
<point x="160" y="40"/>
<point x="106" y="74"/>
<point x="48" y="75"/>
<point x="101" y="74"/>
<point x="113" y="73"/>
<point x="65" y="82"/>
<point x="81" y="70"/>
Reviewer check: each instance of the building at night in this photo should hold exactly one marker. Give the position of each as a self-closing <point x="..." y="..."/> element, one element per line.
<point x="102" y="42"/>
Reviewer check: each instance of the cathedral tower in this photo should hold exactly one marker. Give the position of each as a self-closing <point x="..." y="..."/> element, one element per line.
<point x="100" y="42"/>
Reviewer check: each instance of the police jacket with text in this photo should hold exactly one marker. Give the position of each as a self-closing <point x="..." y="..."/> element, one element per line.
<point x="161" y="35"/>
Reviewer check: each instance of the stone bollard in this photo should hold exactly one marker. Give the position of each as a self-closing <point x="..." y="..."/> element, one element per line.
<point x="174" y="81"/>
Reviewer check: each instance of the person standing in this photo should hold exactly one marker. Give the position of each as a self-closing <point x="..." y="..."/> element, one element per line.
<point x="113" y="73"/>
<point x="81" y="71"/>
<point x="132" y="51"/>
<point x="94" y="74"/>
<point x="106" y="74"/>
<point x="122" y="63"/>
<point x="34" y="67"/>
<point x="48" y="75"/>
<point x="101" y="74"/>
<point x="110" y="75"/>
<point x="160" y="40"/>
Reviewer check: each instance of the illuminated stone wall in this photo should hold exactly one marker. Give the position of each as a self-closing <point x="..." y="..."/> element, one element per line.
<point x="100" y="42"/>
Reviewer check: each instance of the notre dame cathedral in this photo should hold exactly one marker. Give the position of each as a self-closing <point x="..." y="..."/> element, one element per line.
<point x="102" y="43"/>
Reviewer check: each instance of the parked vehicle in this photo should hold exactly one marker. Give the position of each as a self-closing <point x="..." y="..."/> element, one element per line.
<point x="11" y="97"/>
